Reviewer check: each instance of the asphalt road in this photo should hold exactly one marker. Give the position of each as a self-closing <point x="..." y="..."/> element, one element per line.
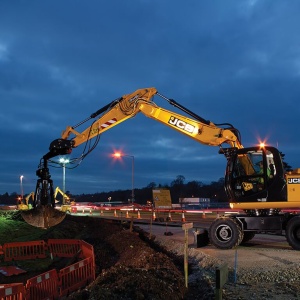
<point x="264" y="250"/>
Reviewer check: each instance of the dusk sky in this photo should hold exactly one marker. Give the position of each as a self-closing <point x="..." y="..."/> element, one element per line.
<point x="229" y="61"/>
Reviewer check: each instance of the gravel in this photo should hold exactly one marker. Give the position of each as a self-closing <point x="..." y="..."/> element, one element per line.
<point x="254" y="282"/>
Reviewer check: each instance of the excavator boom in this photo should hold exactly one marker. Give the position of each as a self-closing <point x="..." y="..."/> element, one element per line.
<point x="128" y="106"/>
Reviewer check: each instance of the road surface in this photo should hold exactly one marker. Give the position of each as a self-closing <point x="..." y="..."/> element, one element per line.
<point x="264" y="250"/>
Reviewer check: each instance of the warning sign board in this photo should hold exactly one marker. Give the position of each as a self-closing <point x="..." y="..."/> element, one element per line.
<point x="162" y="198"/>
<point x="187" y="226"/>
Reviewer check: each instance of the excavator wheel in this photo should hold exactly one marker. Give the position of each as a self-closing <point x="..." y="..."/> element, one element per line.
<point x="292" y="232"/>
<point x="225" y="233"/>
<point x="248" y="235"/>
<point x="43" y="216"/>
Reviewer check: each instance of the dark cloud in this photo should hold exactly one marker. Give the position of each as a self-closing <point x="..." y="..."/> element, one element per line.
<point x="228" y="61"/>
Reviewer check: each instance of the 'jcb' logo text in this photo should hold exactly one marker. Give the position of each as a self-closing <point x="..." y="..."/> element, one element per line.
<point x="294" y="180"/>
<point x="181" y="124"/>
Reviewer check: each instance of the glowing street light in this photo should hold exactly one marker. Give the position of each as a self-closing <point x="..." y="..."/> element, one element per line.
<point x="64" y="161"/>
<point x="118" y="155"/>
<point x="21" y="185"/>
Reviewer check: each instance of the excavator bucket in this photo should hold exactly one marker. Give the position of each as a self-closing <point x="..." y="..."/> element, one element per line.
<point x="43" y="216"/>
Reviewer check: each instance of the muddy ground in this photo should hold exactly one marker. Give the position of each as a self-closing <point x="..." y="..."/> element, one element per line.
<point x="129" y="265"/>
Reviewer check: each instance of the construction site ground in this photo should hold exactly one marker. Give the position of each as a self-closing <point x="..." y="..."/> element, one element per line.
<point x="140" y="261"/>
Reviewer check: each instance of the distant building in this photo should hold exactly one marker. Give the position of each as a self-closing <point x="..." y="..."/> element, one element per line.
<point x="194" y="203"/>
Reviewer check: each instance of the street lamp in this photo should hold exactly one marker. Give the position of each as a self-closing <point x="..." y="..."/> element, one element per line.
<point x="118" y="154"/>
<point x="21" y="185"/>
<point x="64" y="161"/>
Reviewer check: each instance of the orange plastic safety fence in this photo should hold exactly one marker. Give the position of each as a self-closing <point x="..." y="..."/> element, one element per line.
<point x="43" y="286"/>
<point x="64" y="248"/>
<point x="14" y="291"/>
<point x="76" y="276"/>
<point x="50" y="285"/>
<point x="24" y="250"/>
<point x="87" y="249"/>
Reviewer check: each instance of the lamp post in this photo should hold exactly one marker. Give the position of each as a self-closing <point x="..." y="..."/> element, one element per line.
<point x="64" y="161"/>
<point x="118" y="154"/>
<point x="21" y="186"/>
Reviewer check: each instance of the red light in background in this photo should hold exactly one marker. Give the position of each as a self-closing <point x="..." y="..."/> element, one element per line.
<point x="117" y="154"/>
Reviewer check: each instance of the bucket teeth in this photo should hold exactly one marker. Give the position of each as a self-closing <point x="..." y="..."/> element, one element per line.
<point x="43" y="216"/>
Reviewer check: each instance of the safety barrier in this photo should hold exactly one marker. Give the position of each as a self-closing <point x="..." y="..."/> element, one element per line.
<point x="69" y="248"/>
<point x="15" y="291"/>
<point x="76" y="276"/>
<point x="141" y="212"/>
<point x="43" y="286"/>
<point x="24" y="250"/>
<point x="87" y="250"/>
<point x="52" y="284"/>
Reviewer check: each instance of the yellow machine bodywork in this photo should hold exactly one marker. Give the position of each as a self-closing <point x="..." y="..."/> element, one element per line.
<point x="26" y="205"/>
<point x="66" y="203"/>
<point x="293" y="196"/>
<point x="141" y="101"/>
<point x="293" y="186"/>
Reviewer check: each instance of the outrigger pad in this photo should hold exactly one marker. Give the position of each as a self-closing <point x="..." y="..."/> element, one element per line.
<point x="43" y="216"/>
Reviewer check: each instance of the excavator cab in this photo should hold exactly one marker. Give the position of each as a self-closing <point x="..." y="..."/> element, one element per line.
<point x="255" y="175"/>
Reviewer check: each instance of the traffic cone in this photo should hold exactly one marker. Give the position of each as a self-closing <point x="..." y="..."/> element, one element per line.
<point x="115" y="213"/>
<point x="139" y="215"/>
<point x="183" y="217"/>
<point x="127" y="214"/>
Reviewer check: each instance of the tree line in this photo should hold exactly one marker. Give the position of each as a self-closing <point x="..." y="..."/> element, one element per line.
<point x="178" y="189"/>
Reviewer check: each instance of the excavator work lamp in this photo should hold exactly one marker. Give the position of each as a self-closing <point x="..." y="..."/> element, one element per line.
<point x="262" y="145"/>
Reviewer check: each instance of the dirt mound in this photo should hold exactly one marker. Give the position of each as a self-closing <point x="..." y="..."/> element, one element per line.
<point x="130" y="265"/>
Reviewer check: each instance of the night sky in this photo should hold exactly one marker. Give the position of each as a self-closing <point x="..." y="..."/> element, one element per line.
<point x="228" y="61"/>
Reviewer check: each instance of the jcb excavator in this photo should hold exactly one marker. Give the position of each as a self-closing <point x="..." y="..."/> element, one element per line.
<point x="249" y="184"/>
<point x="66" y="203"/>
<point x="64" y="195"/>
<point x="26" y="205"/>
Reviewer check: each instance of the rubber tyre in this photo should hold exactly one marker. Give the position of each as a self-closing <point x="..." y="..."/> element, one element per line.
<point x="292" y="233"/>
<point x="225" y="233"/>
<point x="248" y="235"/>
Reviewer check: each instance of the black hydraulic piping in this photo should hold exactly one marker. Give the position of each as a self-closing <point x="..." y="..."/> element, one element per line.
<point x="181" y="107"/>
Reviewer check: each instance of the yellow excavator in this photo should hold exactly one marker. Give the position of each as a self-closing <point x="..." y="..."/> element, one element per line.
<point x="24" y="206"/>
<point x="249" y="183"/>
<point x="67" y="201"/>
